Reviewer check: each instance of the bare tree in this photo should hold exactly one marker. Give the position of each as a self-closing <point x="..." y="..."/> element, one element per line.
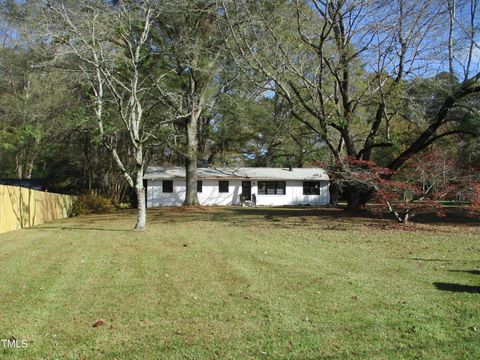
<point x="348" y="72"/>
<point x="463" y="42"/>
<point x="461" y="64"/>
<point x="113" y="46"/>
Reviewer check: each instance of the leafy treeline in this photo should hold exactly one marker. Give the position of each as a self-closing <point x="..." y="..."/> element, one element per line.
<point x="93" y="91"/>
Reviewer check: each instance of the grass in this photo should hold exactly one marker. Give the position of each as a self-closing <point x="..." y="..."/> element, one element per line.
<point x="239" y="283"/>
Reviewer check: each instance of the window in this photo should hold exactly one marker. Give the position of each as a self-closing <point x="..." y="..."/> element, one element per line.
<point x="199" y="186"/>
<point x="223" y="186"/>
<point x="311" y="188"/>
<point x="271" y="188"/>
<point x="167" y="186"/>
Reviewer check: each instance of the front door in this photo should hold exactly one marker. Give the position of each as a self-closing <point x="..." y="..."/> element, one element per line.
<point x="247" y="190"/>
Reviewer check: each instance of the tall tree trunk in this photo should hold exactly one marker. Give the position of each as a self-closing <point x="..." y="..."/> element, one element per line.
<point x="31" y="157"/>
<point x="18" y="167"/>
<point x="141" y="205"/>
<point x="29" y="168"/>
<point x="353" y="198"/>
<point x="191" y="158"/>
<point x="357" y="198"/>
<point x="451" y="13"/>
<point x="334" y="193"/>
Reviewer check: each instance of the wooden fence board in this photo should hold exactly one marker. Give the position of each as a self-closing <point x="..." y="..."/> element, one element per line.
<point x="22" y="207"/>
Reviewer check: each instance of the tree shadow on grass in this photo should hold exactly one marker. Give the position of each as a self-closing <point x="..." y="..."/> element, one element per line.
<point x="293" y="216"/>
<point x="283" y="217"/>
<point x="453" y="217"/>
<point x="441" y="260"/>
<point x="280" y="217"/>
<point x="473" y="272"/>
<point x="322" y="218"/>
<point x="457" y="287"/>
<point x="77" y="228"/>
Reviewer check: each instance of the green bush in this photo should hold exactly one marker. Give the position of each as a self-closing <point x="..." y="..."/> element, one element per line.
<point x="124" y="205"/>
<point x="92" y="204"/>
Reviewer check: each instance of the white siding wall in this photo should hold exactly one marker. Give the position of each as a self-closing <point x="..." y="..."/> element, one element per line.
<point x="211" y="196"/>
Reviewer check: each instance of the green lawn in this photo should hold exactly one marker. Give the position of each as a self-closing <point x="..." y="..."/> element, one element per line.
<point x="237" y="283"/>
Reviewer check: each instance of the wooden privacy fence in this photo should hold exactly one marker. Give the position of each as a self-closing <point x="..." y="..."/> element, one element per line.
<point x="22" y="207"/>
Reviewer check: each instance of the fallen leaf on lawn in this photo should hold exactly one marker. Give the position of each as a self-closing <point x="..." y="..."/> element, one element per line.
<point x="99" y="323"/>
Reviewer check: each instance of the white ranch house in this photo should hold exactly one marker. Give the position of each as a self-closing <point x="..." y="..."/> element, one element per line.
<point x="229" y="186"/>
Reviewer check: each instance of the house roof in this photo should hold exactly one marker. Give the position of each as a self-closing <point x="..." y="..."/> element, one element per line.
<point x="156" y="172"/>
